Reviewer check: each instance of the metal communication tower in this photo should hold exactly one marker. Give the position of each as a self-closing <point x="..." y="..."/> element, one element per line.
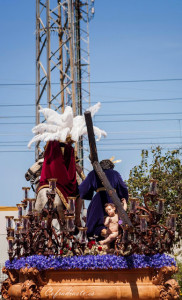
<point x="62" y="56"/>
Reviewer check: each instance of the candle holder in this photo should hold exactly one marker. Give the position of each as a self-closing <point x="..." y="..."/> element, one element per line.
<point x="84" y="217"/>
<point x="172" y="221"/>
<point x="160" y="208"/>
<point x="31" y="205"/>
<point x="18" y="225"/>
<point x="71" y="205"/>
<point x="10" y="246"/>
<point x="70" y="226"/>
<point x="11" y="233"/>
<point x="52" y="185"/>
<point x="9" y="222"/>
<point x="25" y="223"/>
<point x="143" y="223"/>
<point x="25" y="197"/>
<point x="153" y="187"/>
<point x="83" y="235"/>
<point x="133" y="205"/>
<point x="21" y="210"/>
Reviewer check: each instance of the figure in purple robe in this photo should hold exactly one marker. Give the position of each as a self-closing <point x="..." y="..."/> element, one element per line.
<point x="96" y="210"/>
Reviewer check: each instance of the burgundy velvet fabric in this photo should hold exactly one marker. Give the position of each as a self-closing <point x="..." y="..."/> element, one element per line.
<point x="62" y="167"/>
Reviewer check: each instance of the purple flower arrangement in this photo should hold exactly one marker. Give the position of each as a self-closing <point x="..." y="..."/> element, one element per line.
<point x="91" y="262"/>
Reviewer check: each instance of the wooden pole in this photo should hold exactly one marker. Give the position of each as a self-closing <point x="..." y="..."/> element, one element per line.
<point x="102" y="176"/>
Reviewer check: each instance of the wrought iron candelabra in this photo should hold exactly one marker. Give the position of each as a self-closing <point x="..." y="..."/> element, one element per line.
<point x="45" y="233"/>
<point x="149" y="235"/>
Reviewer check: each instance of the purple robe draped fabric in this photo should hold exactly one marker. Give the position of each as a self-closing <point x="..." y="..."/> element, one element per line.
<point x="96" y="211"/>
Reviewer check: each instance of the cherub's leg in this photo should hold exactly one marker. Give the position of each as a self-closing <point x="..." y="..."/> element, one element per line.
<point x="109" y="239"/>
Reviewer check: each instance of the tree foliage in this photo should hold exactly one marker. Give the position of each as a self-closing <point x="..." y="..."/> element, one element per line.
<point x="167" y="169"/>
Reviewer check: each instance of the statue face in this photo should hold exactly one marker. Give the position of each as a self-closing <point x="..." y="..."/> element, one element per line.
<point x="110" y="210"/>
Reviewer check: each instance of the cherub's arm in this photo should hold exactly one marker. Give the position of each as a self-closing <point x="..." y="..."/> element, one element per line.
<point x="107" y="220"/>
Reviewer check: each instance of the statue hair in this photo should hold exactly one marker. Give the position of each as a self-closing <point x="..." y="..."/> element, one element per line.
<point x="106" y="164"/>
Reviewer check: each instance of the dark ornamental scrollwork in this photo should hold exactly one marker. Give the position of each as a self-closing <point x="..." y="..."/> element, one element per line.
<point x="30" y="291"/>
<point x="169" y="288"/>
<point x="32" y="284"/>
<point x="12" y="279"/>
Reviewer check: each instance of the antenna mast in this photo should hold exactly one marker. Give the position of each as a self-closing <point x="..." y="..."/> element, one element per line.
<point x="62" y="57"/>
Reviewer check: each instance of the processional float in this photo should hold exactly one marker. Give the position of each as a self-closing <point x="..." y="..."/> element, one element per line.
<point x="46" y="263"/>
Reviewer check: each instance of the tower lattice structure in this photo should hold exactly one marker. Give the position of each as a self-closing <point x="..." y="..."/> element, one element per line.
<point x="62" y="57"/>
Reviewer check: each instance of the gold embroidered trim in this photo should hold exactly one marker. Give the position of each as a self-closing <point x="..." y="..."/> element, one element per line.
<point x="62" y="198"/>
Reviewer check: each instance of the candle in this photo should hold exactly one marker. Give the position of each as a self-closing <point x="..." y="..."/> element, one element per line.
<point x="20" y="210"/>
<point x="160" y="208"/>
<point x="172" y="221"/>
<point x="52" y="184"/>
<point x="143" y="222"/>
<point x="31" y="204"/>
<point x="24" y="209"/>
<point x="71" y="205"/>
<point x="11" y="233"/>
<point x="25" y="222"/>
<point x="70" y="226"/>
<point x="9" y="222"/>
<point x="17" y="224"/>
<point x="153" y="187"/>
<point x="133" y="204"/>
<point x="83" y="235"/>
<point x="10" y="243"/>
<point x="25" y="189"/>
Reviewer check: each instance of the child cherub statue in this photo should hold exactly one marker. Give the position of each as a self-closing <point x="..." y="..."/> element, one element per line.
<point x="111" y="222"/>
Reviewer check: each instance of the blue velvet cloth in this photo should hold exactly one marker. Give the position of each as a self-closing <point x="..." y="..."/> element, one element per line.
<point x="96" y="211"/>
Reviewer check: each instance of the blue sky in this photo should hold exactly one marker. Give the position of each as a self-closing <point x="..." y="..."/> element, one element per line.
<point x="129" y="40"/>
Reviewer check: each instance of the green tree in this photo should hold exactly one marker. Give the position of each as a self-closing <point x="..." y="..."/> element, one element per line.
<point x="167" y="169"/>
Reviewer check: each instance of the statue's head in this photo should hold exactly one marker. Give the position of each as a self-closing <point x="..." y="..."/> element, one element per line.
<point x="107" y="164"/>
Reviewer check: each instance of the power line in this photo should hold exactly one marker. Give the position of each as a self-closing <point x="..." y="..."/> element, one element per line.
<point x="14" y="105"/>
<point x="107" y="139"/>
<point x="111" y="132"/>
<point x="122" y="121"/>
<point x="103" y="102"/>
<point x="138" y="81"/>
<point x="14" y="117"/>
<point x="140" y="100"/>
<point x="142" y="131"/>
<point x="118" y="149"/>
<point x="105" y="115"/>
<point x="141" y="114"/>
<point x="14" y="142"/>
<point x="135" y="149"/>
<point x="97" y="82"/>
<point x="17" y="123"/>
<point x="108" y="121"/>
<point x="17" y="151"/>
<point x="117" y="144"/>
<point x="162" y="143"/>
<point x="143" y="138"/>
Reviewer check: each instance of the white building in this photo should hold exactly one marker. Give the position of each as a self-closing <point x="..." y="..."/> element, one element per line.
<point x="4" y="211"/>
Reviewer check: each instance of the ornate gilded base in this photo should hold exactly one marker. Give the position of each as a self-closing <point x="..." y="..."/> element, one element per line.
<point x="124" y="284"/>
